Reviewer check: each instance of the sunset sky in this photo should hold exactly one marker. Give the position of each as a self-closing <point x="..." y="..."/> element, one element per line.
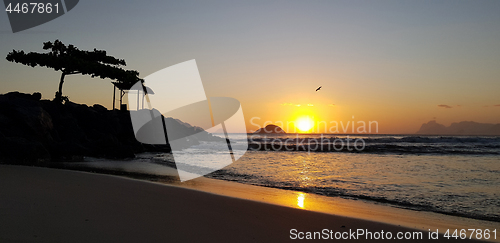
<point x="400" y="63"/>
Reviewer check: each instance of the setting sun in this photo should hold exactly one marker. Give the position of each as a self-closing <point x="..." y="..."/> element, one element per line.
<point x="304" y="124"/>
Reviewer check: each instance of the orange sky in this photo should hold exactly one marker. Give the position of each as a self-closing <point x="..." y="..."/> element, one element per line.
<point x="400" y="63"/>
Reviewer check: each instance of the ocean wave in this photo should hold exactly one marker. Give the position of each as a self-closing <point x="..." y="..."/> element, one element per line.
<point x="385" y="140"/>
<point x="423" y="204"/>
<point x="379" y="148"/>
<point x="433" y="140"/>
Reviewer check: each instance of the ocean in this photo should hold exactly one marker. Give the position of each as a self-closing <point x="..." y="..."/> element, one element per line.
<point x="454" y="175"/>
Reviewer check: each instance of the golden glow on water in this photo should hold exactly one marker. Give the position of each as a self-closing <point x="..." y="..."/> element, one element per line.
<point x="300" y="199"/>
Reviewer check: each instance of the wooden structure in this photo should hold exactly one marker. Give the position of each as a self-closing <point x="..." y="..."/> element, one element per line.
<point x="124" y="89"/>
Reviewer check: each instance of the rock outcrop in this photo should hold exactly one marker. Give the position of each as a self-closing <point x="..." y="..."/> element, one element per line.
<point x="270" y="129"/>
<point x="33" y="131"/>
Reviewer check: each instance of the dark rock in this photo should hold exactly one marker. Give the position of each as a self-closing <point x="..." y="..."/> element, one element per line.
<point x="16" y="95"/>
<point x="36" y="96"/>
<point x="34" y="130"/>
<point x="270" y="129"/>
<point x="99" y="108"/>
<point x="23" y="151"/>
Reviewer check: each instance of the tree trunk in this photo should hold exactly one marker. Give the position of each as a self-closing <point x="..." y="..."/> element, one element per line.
<point x="59" y="97"/>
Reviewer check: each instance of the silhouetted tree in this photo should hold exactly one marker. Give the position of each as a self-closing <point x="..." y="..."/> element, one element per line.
<point x="70" y="60"/>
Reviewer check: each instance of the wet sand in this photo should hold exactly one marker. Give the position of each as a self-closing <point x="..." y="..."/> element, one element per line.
<point x="54" y="205"/>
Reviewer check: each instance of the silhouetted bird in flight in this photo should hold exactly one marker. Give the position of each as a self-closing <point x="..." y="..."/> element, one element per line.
<point x="319" y="88"/>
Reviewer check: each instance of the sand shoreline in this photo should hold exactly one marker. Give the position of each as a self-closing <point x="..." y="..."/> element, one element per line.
<point x="53" y="205"/>
<point x="353" y="208"/>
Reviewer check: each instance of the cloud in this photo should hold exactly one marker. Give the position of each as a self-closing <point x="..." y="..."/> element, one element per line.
<point x="286" y="104"/>
<point x="310" y="105"/>
<point x="298" y="105"/>
<point x="331" y="105"/>
<point x="497" y="105"/>
<point x="445" y="106"/>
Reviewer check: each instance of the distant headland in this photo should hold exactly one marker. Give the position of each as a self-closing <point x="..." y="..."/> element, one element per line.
<point x="460" y="128"/>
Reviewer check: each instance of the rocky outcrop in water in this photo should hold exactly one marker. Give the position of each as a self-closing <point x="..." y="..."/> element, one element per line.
<point x="270" y="129"/>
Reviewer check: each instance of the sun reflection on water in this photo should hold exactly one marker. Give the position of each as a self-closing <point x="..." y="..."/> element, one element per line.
<point x="300" y="200"/>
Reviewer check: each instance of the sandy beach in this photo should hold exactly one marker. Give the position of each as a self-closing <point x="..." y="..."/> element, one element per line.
<point x="53" y="205"/>
<point x="359" y="209"/>
<point x="250" y="121"/>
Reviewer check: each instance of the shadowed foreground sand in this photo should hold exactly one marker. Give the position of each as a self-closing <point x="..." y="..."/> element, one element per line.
<point x="51" y="205"/>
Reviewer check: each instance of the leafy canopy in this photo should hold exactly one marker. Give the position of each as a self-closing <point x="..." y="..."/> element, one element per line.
<point x="71" y="60"/>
